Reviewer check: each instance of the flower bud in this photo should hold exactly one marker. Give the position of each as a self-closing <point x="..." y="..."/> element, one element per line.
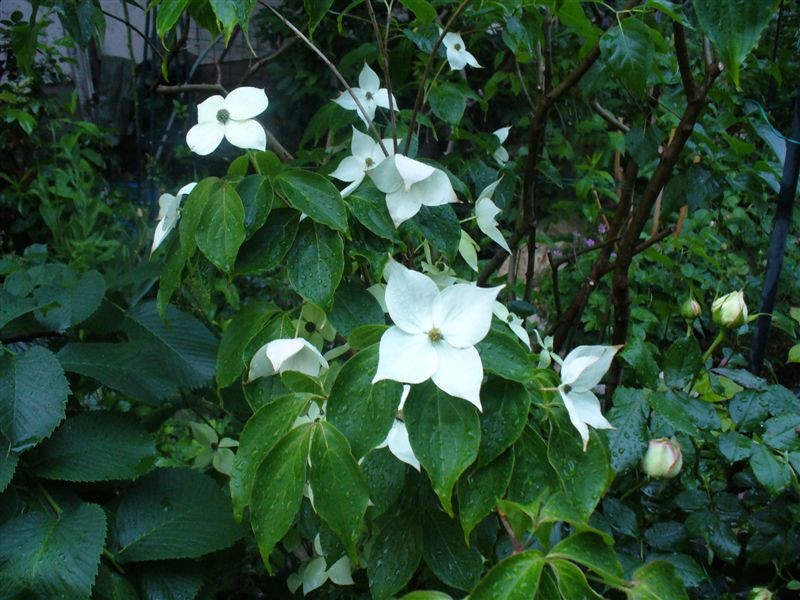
<point x="690" y="309"/>
<point x="729" y="310"/>
<point x="663" y="458"/>
<point x="759" y="593"/>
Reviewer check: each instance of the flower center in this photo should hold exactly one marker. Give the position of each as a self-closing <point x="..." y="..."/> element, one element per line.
<point x="457" y="47"/>
<point x="369" y="96"/>
<point x="434" y="335"/>
<point x="223" y="116"/>
<point x="566" y="388"/>
<point x="369" y="162"/>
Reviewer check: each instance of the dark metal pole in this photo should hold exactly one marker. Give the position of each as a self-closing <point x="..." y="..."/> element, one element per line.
<point x="777" y="246"/>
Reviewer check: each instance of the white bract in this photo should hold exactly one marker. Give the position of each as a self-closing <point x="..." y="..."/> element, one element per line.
<point x="457" y="54"/>
<point x="410" y="184"/>
<point x="501" y="154"/>
<point x="583" y="369"/>
<point x="434" y="333"/>
<point x="398" y="444"/>
<point x="232" y="118"/>
<point x="279" y="356"/>
<point x="485" y="213"/>
<point x="370" y="94"/>
<point x="367" y="154"/>
<point x="515" y="323"/>
<point x="168" y="214"/>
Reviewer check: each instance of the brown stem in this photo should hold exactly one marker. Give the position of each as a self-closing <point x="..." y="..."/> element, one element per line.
<point x="609" y="118"/>
<point x="426" y="73"/>
<point x="641" y="212"/>
<point x="191" y="87"/>
<point x="264" y="60"/>
<point x="136" y="30"/>
<point x="385" y="66"/>
<point x="684" y="66"/>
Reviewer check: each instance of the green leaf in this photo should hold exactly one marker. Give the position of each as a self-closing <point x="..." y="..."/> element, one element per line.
<point x="734" y="27"/>
<point x="628" y="441"/>
<point x="169" y="11"/>
<point x="192" y="211"/>
<point x="132" y="368"/>
<point x="220" y="231"/>
<point x="363" y="411"/>
<point x="315" y="196"/>
<point x="278" y="489"/>
<point x="178" y="580"/>
<point x="368" y="205"/>
<point x="173" y="513"/>
<point x="446" y="553"/>
<point x="781" y="432"/>
<point x="113" y="586"/>
<point x="256" y="194"/>
<point x="74" y="298"/>
<point x="743" y="378"/>
<point x="340" y="491"/>
<point x="656" y="580"/>
<point x="52" y="557"/>
<point x="439" y="226"/>
<point x="515" y="578"/>
<point x="426" y="595"/>
<point x="735" y="446"/>
<point x="353" y="305"/>
<point x="423" y="11"/>
<point x="773" y="474"/>
<point x="585" y="476"/>
<point x="480" y="488"/>
<point x="316" y="263"/>
<point x="503" y="355"/>
<point x="8" y="464"/>
<point x="627" y="50"/>
<point x="269" y="245"/>
<point x="365" y="336"/>
<point x="670" y="407"/>
<point x="681" y="362"/>
<point x="394" y="556"/>
<point x="570" y="580"/>
<point x="749" y="408"/>
<point x="505" y="413"/>
<point x="385" y="476"/>
<point x="95" y="446"/>
<point x="591" y="551"/>
<point x="448" y="103"/>
<point x="533" y="476"/>
<point x="260" y="434"/>
<point x="561" y="508"/>
<point x="33" y="396"/>
<point x="185" y="347"/>
<point x="244" y="326"/>
<point x="316" y="10"/>
<point x="638" y="356"/>
<point x="444" y="433"/>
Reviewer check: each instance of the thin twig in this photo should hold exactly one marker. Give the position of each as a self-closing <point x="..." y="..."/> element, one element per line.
<point x="191" y="87"/>
<point x="609" y="118"/>
<point x="333" y="68"/>
<point x="427" y="72"/>
<point x="265" y="60"/>
<point x="385" y="65"/>
<point x="684" y="65"/>
<point x="136" y="30"/>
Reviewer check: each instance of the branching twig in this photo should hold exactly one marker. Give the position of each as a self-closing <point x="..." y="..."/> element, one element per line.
<point x="191" y="87"/>
<point x="427" y="72"/>
<point x="609" y="118"/>
<point x="384" y="60"/>
<point x="264" y="60"/>
<point x="137" y="31"/>
<point x="333" y="68"/>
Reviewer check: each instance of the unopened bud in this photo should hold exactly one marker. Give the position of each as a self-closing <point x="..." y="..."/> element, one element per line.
<point x="729" y="310"/>
<point x="663" y="458"/>
<point x="759" y="593"/>
<point x="690" y="309"/>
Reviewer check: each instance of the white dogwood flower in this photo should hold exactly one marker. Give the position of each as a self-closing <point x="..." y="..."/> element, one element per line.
<point x="230" y="117"/>
<point x="168" y="214"/>
<point x="410" y="184"/>
<point x="501" y="154"/>
<point x="457" y="54"/>
<point x="434" y="333"/>
<point x="367" y="154"/>
<point x="583" y="369"/>
<point x="279" y="356"/>
<point x="370" y="94"/>
<point x="485" y="213"/>
<point x="397" y="441"/>
<point x="515" y="323"/>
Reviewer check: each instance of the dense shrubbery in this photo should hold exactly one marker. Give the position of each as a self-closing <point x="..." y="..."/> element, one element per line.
<point x="215" y="406"/>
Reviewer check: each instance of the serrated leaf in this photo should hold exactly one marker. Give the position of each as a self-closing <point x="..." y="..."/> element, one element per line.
<point x="638" y="356"/>
<point x="773" y="474"/>
<point x="95" y="446"/>
<point x="71" y="299"/>
<point x="315" y="196"/>
<point x="656" y="581"/>
<point x="340" y="491"/>
<point x="681" y="362"/>
<point x="173" y="580"/>
<point x="444" y="433"/>
<point x="628" y="49"/>
<point x="33" y="395"/>
<point x="52" y="557"/>
<point x="278" y="489"/>
<point x="735" y="446"/>
<point x="749" y="408"/>
<point x="363" y="411"/>
<point x="173" y="513"/>
<point x="628" y="440"/>
<point x="8" y="464"/>
<point x="394" y="556"/>
<point x="316" y="263"/>
<point x="515" y="578"/>
<point x="782" y="432"/>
